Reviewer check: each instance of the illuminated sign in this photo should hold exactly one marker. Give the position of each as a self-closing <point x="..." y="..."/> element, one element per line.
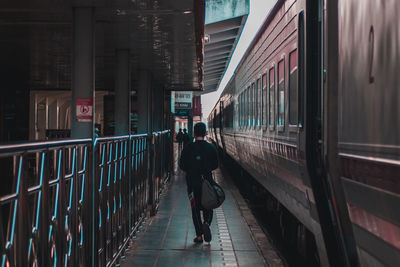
<point x="182" y="100"/>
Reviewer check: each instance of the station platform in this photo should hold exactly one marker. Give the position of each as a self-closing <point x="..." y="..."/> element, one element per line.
<point x="166" y="239"/>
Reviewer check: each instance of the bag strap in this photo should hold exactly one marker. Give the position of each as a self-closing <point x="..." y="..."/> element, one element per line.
<point x="202" y="164"/>
<point x="204" y="167"/>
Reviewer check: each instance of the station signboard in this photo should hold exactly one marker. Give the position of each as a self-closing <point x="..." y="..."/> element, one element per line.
<point x="181" y="103"/>
<point x="183" y="100"/>
<point x="182" y="112"/>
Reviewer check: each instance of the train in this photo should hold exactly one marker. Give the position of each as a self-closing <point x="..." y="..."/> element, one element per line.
<point x="312" y="113"/>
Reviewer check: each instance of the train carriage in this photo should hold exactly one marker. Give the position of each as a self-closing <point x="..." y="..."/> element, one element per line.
<point x="312" y="113"/>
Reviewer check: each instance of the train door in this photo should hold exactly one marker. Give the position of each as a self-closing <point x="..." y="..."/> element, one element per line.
<point x="221" y="124"/>
<point x="314" y="135"/>
<point x="330" y="129"/>
<point x="368" y="126"/>
<point x="215" y="121"/>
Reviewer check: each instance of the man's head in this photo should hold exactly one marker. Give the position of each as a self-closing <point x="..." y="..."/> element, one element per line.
<point x="180" y="129"/>
<point x="184" y="130"/>
<point x="200" y="129"/>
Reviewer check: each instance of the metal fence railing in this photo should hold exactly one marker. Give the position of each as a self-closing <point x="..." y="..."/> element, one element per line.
<point x="77" y="202"/>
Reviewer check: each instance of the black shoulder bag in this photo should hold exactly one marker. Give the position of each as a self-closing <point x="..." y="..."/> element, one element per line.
<point x="212" y="194"/>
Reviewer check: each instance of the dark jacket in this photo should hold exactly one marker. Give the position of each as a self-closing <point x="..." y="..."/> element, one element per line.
<point x="186" y="139"/>
<point x="198" y="158"/>
<point x="179" y="137"/>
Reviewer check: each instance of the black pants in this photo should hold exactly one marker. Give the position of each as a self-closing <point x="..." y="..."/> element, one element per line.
<point x="196" y="208"/>
<point x="180" y="146"/>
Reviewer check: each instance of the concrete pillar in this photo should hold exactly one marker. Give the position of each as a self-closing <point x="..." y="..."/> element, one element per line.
<point x="83" y="71"/>
<point x="190" y="125"/>
<point x="122" y="94"/>
<point x="158" y="109"/>
<point x="144" y="102"/>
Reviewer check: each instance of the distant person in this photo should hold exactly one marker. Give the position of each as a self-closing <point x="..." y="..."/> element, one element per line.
<point x="179" y="138"/>
<point x="198" y="160"/>
<point x="186" y="138"/>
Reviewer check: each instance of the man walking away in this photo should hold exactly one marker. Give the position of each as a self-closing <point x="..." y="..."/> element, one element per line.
<point x="198" y="160"/>
<point x="179" y="138"/>
<point x="185" y="137"/>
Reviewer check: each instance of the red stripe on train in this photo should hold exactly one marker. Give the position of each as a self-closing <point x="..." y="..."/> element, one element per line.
<point x="379" y="227"/>
<point x="374" y="173"/>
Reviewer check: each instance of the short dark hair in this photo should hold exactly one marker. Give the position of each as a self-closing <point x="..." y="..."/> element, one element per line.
<point x="200" y="129"/>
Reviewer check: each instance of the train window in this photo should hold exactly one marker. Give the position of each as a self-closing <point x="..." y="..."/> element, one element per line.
<point x="263" y="100"/>
<point x="271" y="98"/>
<point x="259" y="103"/>
<point x="248" y="109"/>
<point x="240" y="110"/>
<point x="251" y="103"/>
<point x="243" y="108"/>
<point x="250" y="96"/>
<point x="281" y="93"/>
<point x="293" y="89"/>
<point x="255" y="104"/>
<point x="254" y="100"/>
<point x="245" y="105"/>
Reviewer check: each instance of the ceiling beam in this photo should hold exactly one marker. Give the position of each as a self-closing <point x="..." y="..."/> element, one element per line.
<point x="223" y="25"/>
<point x="225" y="35"/>
<point x="211" y="46"/>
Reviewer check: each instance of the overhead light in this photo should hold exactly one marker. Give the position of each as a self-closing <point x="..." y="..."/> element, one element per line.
<point x="120" y="12"/>
<point x="187" y="12"/>
<point x="207" y="38"/>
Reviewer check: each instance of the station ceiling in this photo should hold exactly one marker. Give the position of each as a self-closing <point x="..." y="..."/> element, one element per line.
<point x="163" y="36"/>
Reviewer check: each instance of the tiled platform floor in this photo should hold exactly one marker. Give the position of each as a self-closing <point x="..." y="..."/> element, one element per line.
<point x="167" y="238"/>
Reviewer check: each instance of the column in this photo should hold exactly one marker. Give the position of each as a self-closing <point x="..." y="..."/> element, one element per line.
<point x="158" y="108"/>
<point x="122" y="94"/>
<point x="144" y="102"/>
<point x="83" y="71"/>
<point x="190" y="125"/>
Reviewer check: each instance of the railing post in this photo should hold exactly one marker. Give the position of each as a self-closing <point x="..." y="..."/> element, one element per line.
<point x="19" y="245"/>
<point x="93" y="197"/>
<point x="44" y="210"/>
<point x="151" y="175"/>
<point x="129" y="164"/>
<point x="72" y="215"/>
<point x="59" y="219"/>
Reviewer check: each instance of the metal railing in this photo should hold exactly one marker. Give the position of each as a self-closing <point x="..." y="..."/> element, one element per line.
<point x="78" y="202"/>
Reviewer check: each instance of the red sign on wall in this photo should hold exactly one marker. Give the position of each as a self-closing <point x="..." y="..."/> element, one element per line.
<point x="84" y="109"/>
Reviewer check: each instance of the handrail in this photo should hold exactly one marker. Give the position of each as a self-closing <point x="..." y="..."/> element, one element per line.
<point x="27" y="146"/>
<point x="41" y="144"/>
<point x="161" y="132"/>
<point x="86" y="197"/>
<point x="107" y="138"/>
